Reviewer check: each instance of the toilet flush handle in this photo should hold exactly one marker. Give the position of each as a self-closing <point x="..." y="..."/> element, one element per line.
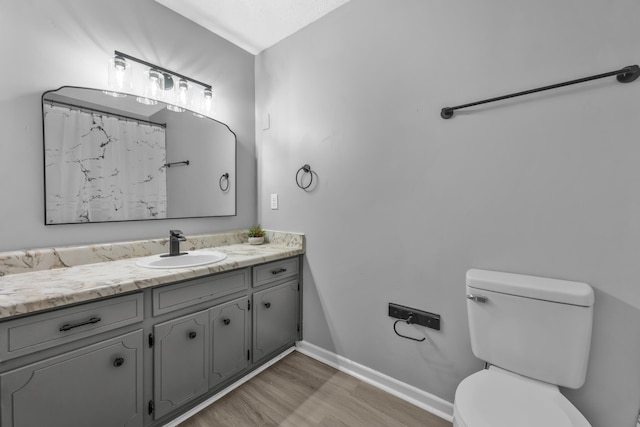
<point x="477" y="298"/>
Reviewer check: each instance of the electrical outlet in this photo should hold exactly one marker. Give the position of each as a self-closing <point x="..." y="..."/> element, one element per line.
<point x="274" y="201"/>
<point x="413" y="315"/>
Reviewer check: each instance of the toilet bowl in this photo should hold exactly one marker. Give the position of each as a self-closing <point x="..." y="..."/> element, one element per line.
<point x="535" y="333"/>
<point x="495" y="397"/>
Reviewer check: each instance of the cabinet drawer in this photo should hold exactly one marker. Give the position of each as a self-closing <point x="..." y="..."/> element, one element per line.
<point x="40" y="331"/>
<point x="267" y="273"/>
<point x="180" y="295"/>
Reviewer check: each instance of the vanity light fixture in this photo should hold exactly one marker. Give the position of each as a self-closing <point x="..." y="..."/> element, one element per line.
<point x="153" y="83"/>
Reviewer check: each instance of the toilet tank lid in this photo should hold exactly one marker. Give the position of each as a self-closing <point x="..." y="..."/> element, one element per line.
<point x="542" y="288"/>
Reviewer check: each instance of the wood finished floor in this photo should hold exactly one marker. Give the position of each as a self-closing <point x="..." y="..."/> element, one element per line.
<point x="299" y="391"/>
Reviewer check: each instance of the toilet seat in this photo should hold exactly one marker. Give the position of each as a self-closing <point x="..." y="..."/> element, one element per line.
<point x="497" y="398"/>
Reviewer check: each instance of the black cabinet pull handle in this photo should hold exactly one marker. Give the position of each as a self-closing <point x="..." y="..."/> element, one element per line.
<point x="226" y="321"/>
<point x="278" y="271"/>
<point x="119" y="361"/>
<point x="267" y="304"/>
<point x="66" y="327"/>
<point x="192" y="334"/>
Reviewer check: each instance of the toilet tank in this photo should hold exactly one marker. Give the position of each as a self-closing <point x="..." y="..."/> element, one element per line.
<point x="533" y="326"/>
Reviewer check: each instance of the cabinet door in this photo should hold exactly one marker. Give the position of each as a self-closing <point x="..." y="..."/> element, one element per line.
<point x="97" y="386"/>
<point x="180" y="361"/>
<point x="230" y="331"/>
<point x="275" y="318"/>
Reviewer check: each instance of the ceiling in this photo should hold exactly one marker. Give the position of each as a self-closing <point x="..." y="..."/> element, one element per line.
<point x="254" y="25"/>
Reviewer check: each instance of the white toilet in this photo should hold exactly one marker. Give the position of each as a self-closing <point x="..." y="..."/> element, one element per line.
<point x="535" y="333"/>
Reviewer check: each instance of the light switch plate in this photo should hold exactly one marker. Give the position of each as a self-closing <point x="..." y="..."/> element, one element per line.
<point x="274" y="201"/>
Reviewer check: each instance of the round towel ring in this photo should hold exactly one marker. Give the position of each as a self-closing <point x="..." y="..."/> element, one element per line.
<point x="224" y="179"/>
<point x="306" y="169"/>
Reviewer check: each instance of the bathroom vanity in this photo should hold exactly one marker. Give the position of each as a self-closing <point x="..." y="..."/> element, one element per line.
<point x="138" y="347"/>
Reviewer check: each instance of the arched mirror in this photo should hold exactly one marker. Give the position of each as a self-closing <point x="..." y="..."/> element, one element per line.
<point x="109" y="158"/>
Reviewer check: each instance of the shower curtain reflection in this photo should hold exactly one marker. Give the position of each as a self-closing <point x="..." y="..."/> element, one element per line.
<point x="120" y="162"/>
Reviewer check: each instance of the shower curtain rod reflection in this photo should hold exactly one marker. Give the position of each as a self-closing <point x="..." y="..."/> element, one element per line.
<point x="625" y="75"/>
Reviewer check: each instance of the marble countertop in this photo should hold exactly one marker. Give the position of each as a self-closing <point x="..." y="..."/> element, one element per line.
<point x="49" y="284"/>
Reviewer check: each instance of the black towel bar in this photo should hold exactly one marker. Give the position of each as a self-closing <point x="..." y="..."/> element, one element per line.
<point x="186" y="162"/>
<point x="624" y="75"/>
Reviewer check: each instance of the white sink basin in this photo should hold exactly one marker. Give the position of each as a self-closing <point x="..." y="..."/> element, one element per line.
<point x="189" y="259"/>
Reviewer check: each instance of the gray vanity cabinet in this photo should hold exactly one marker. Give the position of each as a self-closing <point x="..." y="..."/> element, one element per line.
<point x="99" y="386"/>
<point x="275" y="318"/>
<point x="181" y="360"/>
<point x="140" y="359"/>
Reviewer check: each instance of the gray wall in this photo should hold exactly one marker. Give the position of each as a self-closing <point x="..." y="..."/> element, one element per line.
<point x="406" y="202"/>
<point x="46" y="44"/>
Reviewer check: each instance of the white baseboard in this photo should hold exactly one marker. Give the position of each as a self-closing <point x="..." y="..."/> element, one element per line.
<point x="227" y="390"/>
<point x="409" y="393"/>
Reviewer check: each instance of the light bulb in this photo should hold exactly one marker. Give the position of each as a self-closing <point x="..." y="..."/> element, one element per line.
<point x="208" y="104"/>
<point x="146" y="101"/>
<point x="174" y="108"/>
<point x="183" y="87"/>
<point x="153" y="88"/>
<point x="181" y="98"/>
<point x="119" y="77"/>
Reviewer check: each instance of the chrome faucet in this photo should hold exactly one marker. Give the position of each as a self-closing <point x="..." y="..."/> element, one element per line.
<point x="175" y="237"/>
